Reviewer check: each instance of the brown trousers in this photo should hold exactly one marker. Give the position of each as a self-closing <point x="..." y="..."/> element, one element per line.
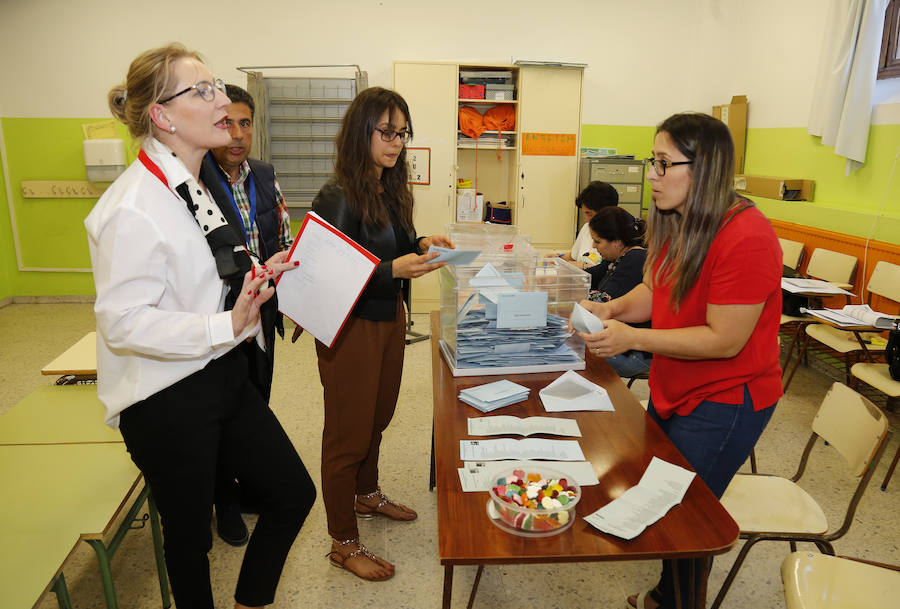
<point x="361" y="378"/>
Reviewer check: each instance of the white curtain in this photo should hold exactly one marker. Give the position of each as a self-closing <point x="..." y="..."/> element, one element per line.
<point x="256" y="86"/>
<point x="841" y="109"/>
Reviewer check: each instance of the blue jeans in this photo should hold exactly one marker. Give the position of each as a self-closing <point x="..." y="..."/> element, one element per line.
<point x="716" y="440"/>
<point x="630" y="363"/>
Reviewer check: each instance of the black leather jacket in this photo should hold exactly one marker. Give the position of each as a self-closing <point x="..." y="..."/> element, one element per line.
<point x="378" y="302"/>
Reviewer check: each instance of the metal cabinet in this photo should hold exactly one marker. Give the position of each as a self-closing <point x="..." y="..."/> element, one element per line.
<point x="625" y="175"/>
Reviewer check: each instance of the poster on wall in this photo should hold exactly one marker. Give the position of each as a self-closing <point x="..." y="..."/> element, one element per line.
<point x="418" y="162"/>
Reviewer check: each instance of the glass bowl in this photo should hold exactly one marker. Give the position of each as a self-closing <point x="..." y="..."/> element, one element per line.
<point x="550" y="511"/>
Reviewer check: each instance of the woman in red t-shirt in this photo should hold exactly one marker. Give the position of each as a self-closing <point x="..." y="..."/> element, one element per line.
<point x="712" y="289"/>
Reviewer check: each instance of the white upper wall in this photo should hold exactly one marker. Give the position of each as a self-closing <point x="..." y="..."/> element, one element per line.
<point x="645" y="59"/>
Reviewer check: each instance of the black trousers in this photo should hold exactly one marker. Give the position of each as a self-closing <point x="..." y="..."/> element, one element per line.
<point x="177" y="438"/>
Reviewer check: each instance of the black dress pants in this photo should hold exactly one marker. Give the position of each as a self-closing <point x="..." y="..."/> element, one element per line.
<point x="177" y="437"/>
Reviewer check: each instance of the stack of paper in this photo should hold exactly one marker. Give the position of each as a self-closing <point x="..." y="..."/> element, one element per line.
<point x="571" y="391"/>
<point x="661" y="488"/>
<point x="495" y="426"/>
<point x="482" y="475"/>
<point x="492" y="396"/>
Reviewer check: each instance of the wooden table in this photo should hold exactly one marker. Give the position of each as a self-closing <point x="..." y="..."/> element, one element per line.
<point x="619" y="444"/>
<point x="77" y="363"/>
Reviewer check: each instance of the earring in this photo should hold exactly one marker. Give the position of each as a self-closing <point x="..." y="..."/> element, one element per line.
<point x="171" y="128"/>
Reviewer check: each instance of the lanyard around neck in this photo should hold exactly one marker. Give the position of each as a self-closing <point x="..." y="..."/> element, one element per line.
<point x="252" y="192"/>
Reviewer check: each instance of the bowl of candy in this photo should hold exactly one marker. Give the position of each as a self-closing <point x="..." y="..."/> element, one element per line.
<point x="535" y="503"/>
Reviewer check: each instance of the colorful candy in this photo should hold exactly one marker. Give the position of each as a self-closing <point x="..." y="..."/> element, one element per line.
<point x="547" y="498"/>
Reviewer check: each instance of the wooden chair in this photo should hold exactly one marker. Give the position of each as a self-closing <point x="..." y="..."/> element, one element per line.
<point x="770" y="508"/>
<point x="853" y="345"/>
<point x="791" y="253"/>
<point x="819" y="581"/>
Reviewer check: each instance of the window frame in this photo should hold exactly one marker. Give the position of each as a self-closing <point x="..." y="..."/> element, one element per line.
<point x="889" y="64"/>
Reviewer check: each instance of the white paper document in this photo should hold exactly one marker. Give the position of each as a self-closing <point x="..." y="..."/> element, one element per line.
<point x="799" y="285"/>
<point x="854" y="316"/>
<point x="529" y="448"/>
<point x="501" y="425"/>
<point x="521" y="310"/>
<point x="585" y="321"/>
<point x="320" y="293"/>
<point x="482" y="475"/>
<point x="661" y="488"/>
<point x="453" y="257"/>
<point x="571" y="392"/>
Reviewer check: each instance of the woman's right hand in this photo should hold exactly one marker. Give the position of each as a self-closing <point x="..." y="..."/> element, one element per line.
<point x="601" y="310"/>
<point x="254" y="294"/>
<point x="411" y="266"/>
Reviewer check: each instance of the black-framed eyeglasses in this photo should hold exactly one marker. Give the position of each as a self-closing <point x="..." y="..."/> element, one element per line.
<point x="388" y="135"/>
<point x="206" y="89"/>
<point x="660" y="165"/>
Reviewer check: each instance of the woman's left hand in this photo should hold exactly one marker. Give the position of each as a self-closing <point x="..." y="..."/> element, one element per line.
<point x="436" y="240"/>
<point x="276" y="265"/>
<point x="616" y="338"/>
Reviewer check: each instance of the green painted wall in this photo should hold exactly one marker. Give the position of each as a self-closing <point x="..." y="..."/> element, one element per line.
<point x="7" y="252"/>
<point x="845" y="204"/>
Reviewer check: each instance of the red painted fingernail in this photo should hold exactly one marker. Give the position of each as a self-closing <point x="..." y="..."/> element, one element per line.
<point x="249" y="292"/>
<point x="296" y="263"/>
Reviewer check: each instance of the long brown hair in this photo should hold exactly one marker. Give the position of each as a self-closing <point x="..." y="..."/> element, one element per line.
<point x="706" y="142"/>
<point x="355" y="168"/>
<point x="149" y="80"/>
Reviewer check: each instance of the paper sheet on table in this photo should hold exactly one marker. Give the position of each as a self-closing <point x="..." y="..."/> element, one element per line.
<point x="571" y="392"/>
<point x="585" y="321"/>
<point x="813" y="286"/>
<point x="482" y="475"/>
<point x="320" y="293"/>
<point x="453" y="257"/>
<point x="529" y="448"/>
<point x="662" y="487"/>
<point x="502" y="425"/>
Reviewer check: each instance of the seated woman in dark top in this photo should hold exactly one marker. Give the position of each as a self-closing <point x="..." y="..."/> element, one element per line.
<point x="619" y="237"/>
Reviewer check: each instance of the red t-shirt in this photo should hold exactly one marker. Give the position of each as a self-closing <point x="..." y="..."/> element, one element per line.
<point x="743" y="266"/>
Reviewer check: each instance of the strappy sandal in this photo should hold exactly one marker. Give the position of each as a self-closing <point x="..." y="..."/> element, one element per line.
<point x="367" y="512"/>
<point x="340" y="561"/>
<point x="641" y="600"/>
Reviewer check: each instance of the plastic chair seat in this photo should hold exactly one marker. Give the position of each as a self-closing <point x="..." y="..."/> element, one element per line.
<point x="770" y="504"/>
<point x="841" y="341"/>
<point x="819" y="581"/>
<point x="877" y="376"/>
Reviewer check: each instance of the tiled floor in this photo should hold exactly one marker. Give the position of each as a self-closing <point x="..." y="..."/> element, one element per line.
<point x="34" y="334"/>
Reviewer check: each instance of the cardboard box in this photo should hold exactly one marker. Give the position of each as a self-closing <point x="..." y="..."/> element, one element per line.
<point x="735" y="116"/>
<point x="469" y="205"/>
<point x="785" y="189"/>
<point x="471" y="91"/>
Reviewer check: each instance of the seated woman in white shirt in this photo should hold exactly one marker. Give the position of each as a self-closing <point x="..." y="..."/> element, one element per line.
<point x="592" y="199"/>
<point x="178" y="312"/>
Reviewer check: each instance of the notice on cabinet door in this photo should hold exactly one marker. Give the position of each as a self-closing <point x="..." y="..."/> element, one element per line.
<point x="549" y="144"/>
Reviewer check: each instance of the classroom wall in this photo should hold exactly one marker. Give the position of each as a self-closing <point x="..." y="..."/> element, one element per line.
<point x="646" y="60"/>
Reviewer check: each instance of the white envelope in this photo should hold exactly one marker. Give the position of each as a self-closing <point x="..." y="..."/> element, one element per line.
<point x="585" y="321"/>
<point x="571" y="392"/>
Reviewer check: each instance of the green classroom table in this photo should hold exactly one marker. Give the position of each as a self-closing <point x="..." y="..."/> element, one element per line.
<point x="57" y="415"/>
<point x="80" y="359"/>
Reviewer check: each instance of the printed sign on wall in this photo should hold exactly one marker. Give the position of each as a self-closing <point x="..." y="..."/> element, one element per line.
<point x="418" y="161"/>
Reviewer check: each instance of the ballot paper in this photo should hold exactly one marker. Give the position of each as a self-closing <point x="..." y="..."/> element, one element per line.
<point x="662" y="487"/>
<point x="501" y="425"/>
<point x="585" y="321"/>
<point x="529" y="448"/>
<point x="482" y="475"/>
<point x="491" y="396"/>
<point x="453" y="257"/>
<point x="320" y="293"/>
<point x="571" y="392"/>
<point x="481" y="344"/>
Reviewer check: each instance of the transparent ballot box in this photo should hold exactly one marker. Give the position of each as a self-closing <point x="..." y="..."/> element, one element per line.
<point x="511" y="316"/>
<point x="496" y="242"/>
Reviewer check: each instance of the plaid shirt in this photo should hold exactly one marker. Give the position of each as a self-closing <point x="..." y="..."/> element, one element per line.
<point x="243" y="202"/>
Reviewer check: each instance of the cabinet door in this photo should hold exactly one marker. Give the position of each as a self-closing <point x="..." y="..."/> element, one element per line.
<point x="430" y="91"/>
<point x="550" y="102"/>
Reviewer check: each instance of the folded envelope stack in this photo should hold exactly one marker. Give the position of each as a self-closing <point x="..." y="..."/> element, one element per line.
<point x="492" y="396"/>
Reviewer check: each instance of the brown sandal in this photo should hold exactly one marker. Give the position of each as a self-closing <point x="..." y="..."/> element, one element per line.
<point x="339" y="560"/>
<point x="365" y="511"/>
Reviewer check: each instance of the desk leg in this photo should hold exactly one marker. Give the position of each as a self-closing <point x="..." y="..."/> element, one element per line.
<point x="701" y="572"/>
<point x="62" y="592"/>
<point x="432" y="477"/>
<point x="475" y="586"/>
<point x="158" y="551"/>
<point x="109" y="590"/>
<point x="448" y="585"/>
